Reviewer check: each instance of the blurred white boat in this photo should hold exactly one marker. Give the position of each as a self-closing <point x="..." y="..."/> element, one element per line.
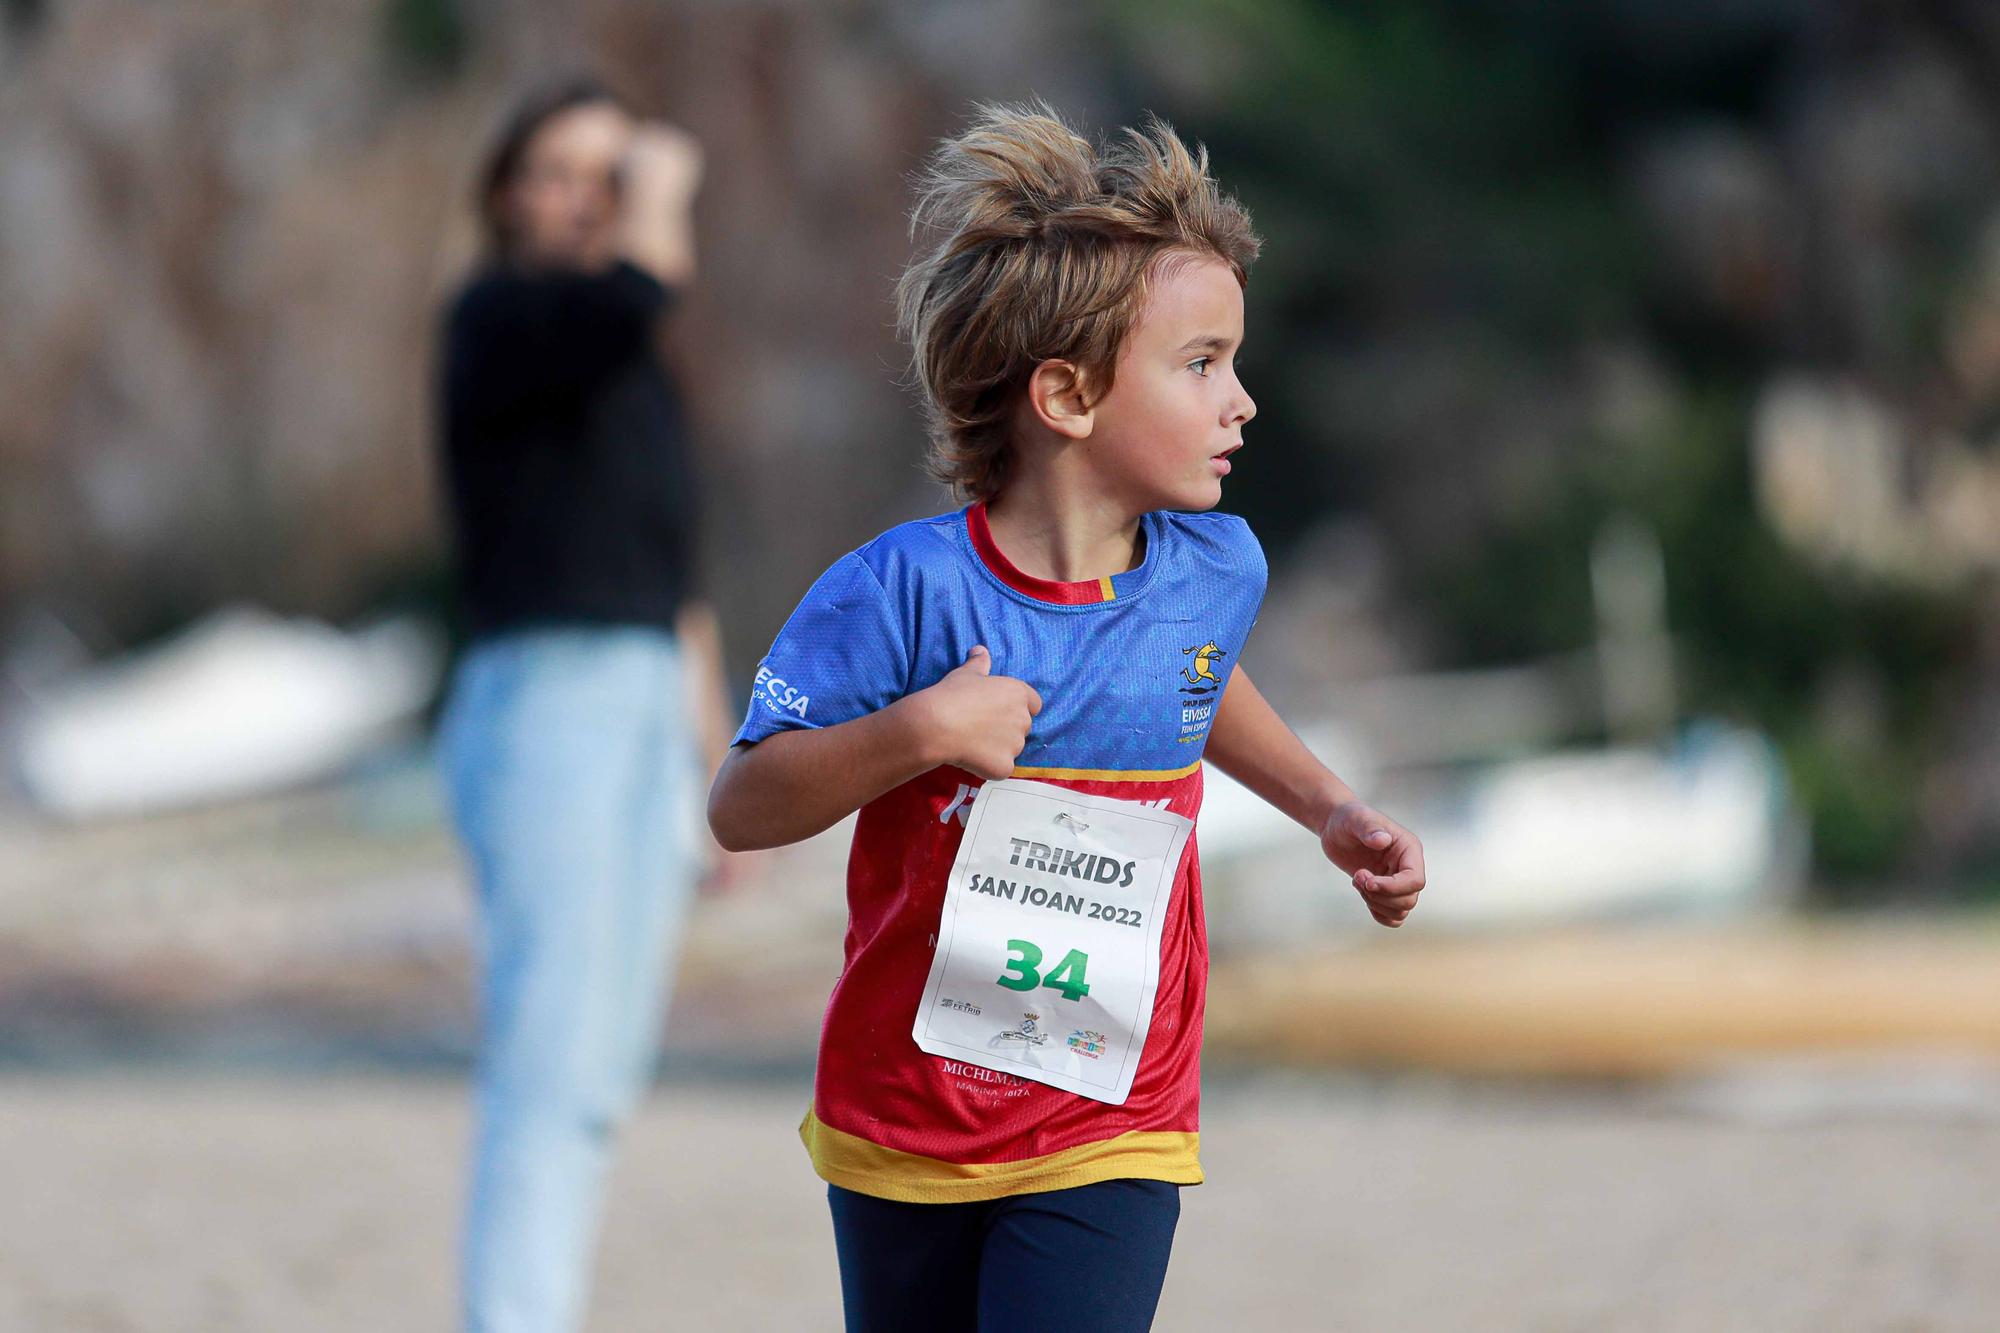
<point x="1704" y="827"/>
<point x="243" y="702"/>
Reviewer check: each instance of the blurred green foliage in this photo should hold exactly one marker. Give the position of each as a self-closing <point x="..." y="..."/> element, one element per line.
<point x="426" y="38"/>
<point x="1460" y="173"/>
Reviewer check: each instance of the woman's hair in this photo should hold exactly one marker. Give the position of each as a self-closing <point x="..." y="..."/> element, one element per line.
<point x="1041" y="245"/>
<point x="510" y="149"/>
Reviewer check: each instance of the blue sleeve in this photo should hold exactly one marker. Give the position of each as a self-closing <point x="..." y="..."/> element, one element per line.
<point x="842" y="655"/>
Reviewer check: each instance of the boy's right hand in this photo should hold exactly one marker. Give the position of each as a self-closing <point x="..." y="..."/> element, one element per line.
<point x="976" y="720"/>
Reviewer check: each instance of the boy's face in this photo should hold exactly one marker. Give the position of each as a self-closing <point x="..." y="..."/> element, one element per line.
<point x="1161" y="439"/>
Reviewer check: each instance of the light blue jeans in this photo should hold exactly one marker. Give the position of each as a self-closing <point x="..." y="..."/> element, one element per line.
<point x="571" y="781"/>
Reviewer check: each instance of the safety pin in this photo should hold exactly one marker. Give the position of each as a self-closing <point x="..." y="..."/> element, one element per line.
<point x="1073" y="821"/>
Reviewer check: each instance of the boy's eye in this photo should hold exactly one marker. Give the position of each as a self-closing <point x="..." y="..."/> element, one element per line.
<point x="1200" y="365"/>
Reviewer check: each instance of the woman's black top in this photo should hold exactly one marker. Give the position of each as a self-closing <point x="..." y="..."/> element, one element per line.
<point x="565" y="451"/>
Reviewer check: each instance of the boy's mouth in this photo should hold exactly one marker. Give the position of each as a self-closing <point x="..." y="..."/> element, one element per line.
<point x="1221" y="460"/>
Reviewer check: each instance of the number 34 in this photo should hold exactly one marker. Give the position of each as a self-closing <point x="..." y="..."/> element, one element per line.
<point x="1065" y="977"/>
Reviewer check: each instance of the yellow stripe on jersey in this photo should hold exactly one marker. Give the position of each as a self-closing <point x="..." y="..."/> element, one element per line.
<point x="855" y="1163"/>
<point x="1108" y="774"/>
<point x="1104" y="586"/>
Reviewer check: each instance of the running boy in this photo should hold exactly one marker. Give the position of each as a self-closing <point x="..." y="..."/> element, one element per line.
<point x="1018" y="698"/>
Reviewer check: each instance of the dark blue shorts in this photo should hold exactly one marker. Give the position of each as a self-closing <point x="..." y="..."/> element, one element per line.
<point x="1083" y="1260"/>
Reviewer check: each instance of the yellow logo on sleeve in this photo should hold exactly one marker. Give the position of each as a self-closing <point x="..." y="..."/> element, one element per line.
<point x="1203" y="665"/>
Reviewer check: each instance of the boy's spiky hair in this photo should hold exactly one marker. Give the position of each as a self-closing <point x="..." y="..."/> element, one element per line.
<point x="1040" y="244"/>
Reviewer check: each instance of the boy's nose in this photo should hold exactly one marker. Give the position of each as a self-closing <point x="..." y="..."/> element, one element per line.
<point x="1246" y="407"/>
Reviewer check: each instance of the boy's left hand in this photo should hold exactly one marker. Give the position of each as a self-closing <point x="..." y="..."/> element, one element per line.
<point x="1385" y="859"/>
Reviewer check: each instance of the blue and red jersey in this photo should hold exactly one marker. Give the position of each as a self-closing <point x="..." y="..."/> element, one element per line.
<point x="1130" y="668"/>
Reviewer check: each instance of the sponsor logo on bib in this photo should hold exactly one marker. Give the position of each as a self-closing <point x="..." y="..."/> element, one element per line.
<point x="1029" y="1033"/>
<point x="1087" y="1043"/>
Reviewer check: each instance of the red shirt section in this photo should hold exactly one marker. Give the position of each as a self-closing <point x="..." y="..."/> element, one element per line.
<point x="872" y="1080"/>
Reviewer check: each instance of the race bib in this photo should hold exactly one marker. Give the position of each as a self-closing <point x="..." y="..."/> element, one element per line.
<point x="1048" y="949"/>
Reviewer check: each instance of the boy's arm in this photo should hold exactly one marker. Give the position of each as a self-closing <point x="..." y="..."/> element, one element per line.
<point x="794" y="784"/>
<point x="1252" y="744"/>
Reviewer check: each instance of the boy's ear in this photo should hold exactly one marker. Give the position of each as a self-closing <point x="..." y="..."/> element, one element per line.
<point x="1060" y="400"/>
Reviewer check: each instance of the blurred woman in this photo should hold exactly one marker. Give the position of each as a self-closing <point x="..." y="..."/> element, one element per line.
<point x="568" y="738"/>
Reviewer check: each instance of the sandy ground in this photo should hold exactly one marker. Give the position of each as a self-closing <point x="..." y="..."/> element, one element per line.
<point x="1847" y="1177"/>
<point x="182" y="1201"/>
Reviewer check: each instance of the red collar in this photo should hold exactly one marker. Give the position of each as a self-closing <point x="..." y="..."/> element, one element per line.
<point x="1084" y="593"/>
